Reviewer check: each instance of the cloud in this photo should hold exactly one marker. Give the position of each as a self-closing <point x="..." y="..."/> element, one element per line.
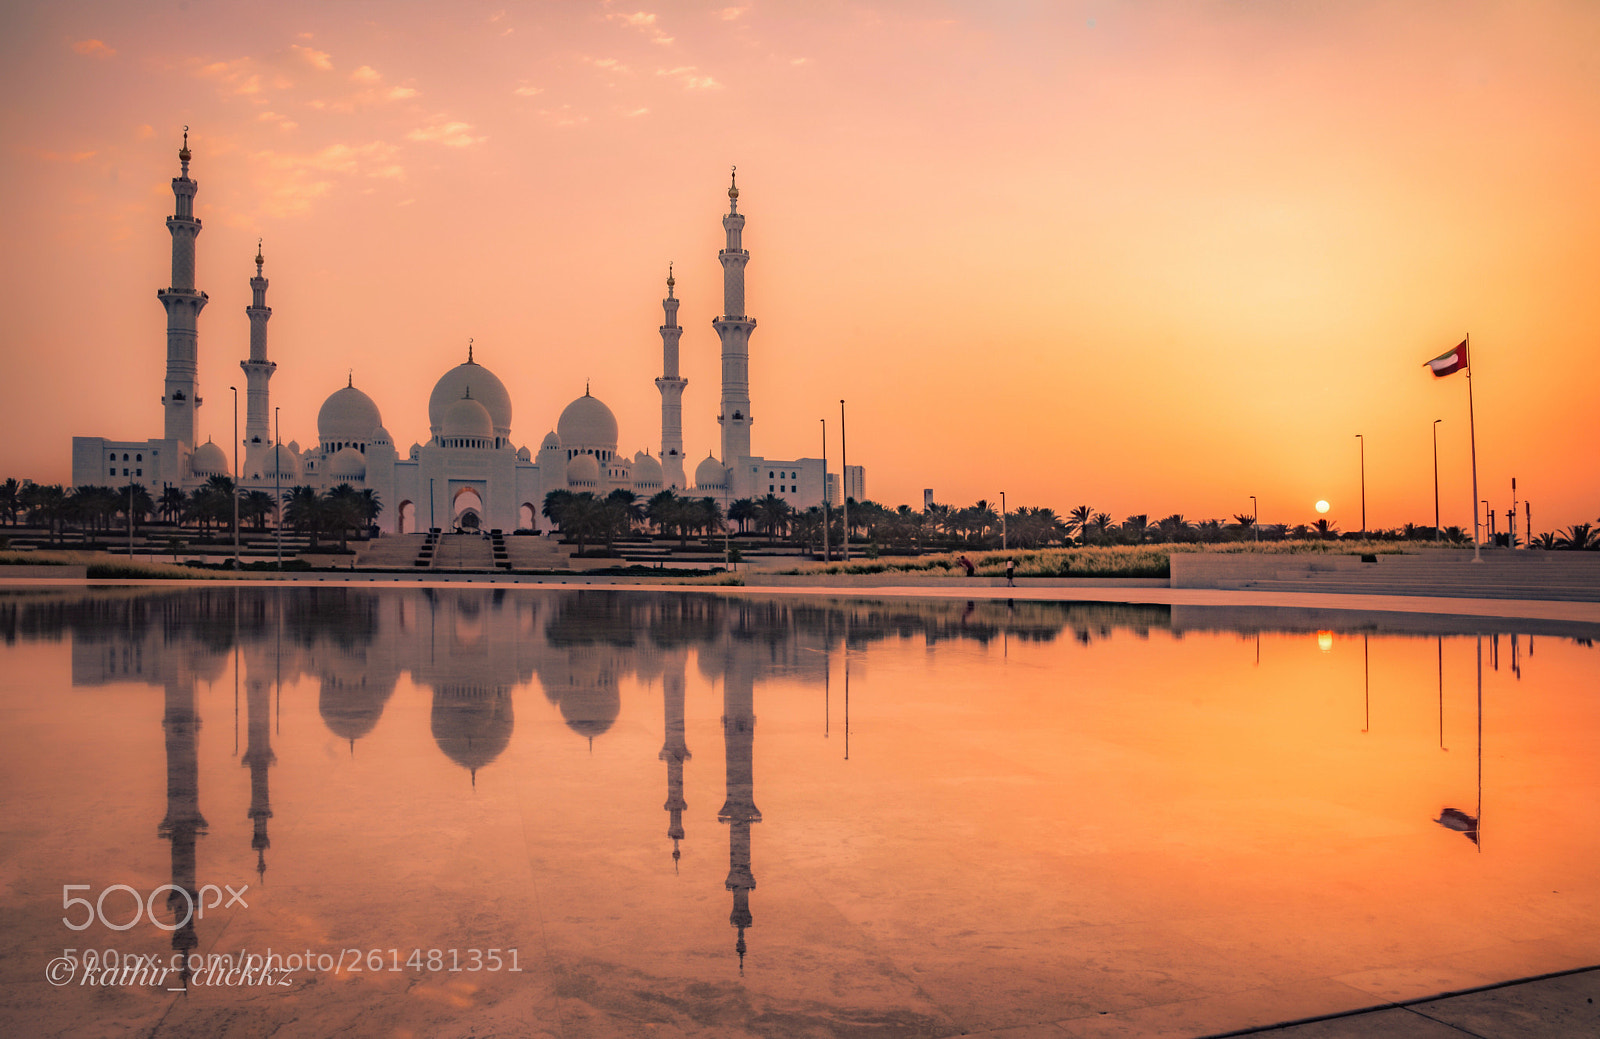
<point x="237" y="76"/>
<point x="65" y="156"/>
<point x="448" y="132"/>
<point x="291" y="182"/>
<point x="610" y="65"/>
<point x="563" y="116"/>
<point x="691" y="78"/>
<point x="283" y="122"/>
<point x="367" y="74"/>
<point x="313" y="57"/>
<point x="528" y="91"/>
<point x="638" y="112"/>
<point x="728" y="14"/>
<point x="94" y="48"/>
<point x="145" y="131"/>
<point x="644" y="21"/>
<point x="401" y="93"/>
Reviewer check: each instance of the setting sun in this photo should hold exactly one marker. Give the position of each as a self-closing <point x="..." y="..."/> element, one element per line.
<point x="1322" y="506"/>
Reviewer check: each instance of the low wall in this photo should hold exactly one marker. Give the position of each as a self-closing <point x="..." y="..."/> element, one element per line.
<point x="902" y="579"/>
<point x="28" y="571"/>
<point x="1219" y="569"/>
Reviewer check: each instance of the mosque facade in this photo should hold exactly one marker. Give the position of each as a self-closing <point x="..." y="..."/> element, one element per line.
<point x="470" y="472"/>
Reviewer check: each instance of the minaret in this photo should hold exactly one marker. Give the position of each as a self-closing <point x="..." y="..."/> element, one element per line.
<point x="184" y="824"/>
<point x="183" y="303"/>
<point x="257" y="373"/>
<point x="674" y="751"/>
<point x="734" y="328"/>
<point x="671" y="385"/>
<point x="739" y="810"/>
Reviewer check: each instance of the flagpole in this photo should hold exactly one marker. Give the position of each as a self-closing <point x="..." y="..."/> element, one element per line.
<point x="1472" y="435"/>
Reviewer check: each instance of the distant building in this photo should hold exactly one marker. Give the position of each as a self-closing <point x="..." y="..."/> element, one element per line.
<point x="469" y="473"/>
<point x="927" y="498"/>
<point x="855" y="482"/>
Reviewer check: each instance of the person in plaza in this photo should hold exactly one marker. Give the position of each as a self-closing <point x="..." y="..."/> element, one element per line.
<point x="1011" y="571"/>
<point x="967" y="564"/>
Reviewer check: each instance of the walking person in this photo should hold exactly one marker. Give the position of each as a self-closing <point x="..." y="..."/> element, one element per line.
<point x="1011" y="572"/>
<point x="967" y="564"/>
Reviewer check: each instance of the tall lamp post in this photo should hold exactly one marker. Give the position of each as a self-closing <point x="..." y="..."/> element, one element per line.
<point x="277" y="483"/>
<point x="844" y="489"/>
<point x="1437" y="536"/>
<point x="1363" y="483"/>
<point x="1255" y="517"/>
<point x="826" y="555"/>
<point x="1002" y="521"/>
<point x="235" y="390"/>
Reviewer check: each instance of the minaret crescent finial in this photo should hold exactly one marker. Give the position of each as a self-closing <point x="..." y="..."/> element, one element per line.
<point x="183" y="153"/>
<point x="350" y="377"/>
<point x="469" y="351"/>
<point x="259" y="260"/>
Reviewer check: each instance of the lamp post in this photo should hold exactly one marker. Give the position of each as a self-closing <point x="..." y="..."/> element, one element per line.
<point x="826" y="555"/>
<point x="277" y="483"/>
<point x="1255" y="517"/>
<point x="1363" y="483"/>
<point x="235" y="390"/>
<point x="1002" y="521"/>
<point x="844" y="480"/>
<point x="1488" y="520"/>
<point x="1436" y="534"/>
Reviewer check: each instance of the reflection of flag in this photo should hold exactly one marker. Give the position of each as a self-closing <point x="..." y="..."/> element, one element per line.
<point x="1459" y="821"/>
<point x="1451" y="361"/>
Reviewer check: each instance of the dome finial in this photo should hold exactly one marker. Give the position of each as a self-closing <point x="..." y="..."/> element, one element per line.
<point x="586" y="387"/>
<point x="259" y="261"/>
<point x="350" y="377"/>
<point x="183" y="153"/>
<point x="733" y="185"/>
<point x="469" y="351"/>
<point x="671" y="281"/>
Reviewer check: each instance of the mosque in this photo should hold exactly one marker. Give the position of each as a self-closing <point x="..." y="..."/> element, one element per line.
<point x="470" y="472"/>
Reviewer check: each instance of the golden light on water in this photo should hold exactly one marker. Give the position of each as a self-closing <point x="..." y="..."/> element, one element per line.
<point x="1325" y="641"/>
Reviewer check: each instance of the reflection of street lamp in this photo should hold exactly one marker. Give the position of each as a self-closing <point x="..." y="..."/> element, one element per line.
<point x="1255" y="517"/>
<point x="277" y="482"/>
<point x="844" y="490"/>
<point x="826" y="554"/>
<point x="1470" y="826"/>
<point x="1002" y="521"/>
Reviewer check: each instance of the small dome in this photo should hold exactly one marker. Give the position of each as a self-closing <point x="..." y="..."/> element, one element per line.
<point x="646" y="472"/>
<point x="287" y="464"/>
<point x="348" y="464"/>
<point x="484" y="387"/>
<point x="587" y="423"/>
<point x="551" y="442"/>
<point x="208" y="460"/>
<point x="468" y="418"/>
<point x="583" y="471"/>
<point x="710" y="473"/>
<point x="348" y="414"/>
<point x="381" y="436"/>
<point x="471" y="725"/>
<point x="524" y="455"/>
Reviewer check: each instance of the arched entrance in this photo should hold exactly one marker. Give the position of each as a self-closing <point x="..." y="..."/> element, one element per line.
<point x="406" y="518"/>
<point x="527" y="517"/>
<point x="467" y="509"/>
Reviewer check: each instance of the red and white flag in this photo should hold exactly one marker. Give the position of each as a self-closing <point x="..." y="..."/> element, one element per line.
<point x="1449" y="362"/>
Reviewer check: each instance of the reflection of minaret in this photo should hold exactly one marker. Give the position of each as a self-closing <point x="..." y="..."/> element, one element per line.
<point x="184" y="823"/>
<point x="739" y="810"/>
<point x="675" y="751"/>
<point x="671" y="385"/>
<point x="181" y="398"/>
<point x="258" y="757"/>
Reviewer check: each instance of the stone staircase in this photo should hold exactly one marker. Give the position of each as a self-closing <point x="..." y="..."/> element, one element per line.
<point x="463" y="552"/>
<point x="391" y="552"/>
<point x="535" y="553"/>
<point x="1503" y="574"/>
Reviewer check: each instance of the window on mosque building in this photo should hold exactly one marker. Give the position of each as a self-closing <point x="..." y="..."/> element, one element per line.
<point x="138" y="458"/>
<point x="138" y="472"/>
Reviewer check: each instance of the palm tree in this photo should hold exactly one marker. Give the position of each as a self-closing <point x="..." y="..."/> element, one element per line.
<point x="135" y="497"/>
<point x="1578" y="537"/>
<point x="1102" y="526"/>
<point x="1078" y="520"/>
<point x="256" y="505"/>
<point x="555" y="503"/>
<point x="46" y="505"/>
<point x="172" y="503"/>
<point x="1326" y="529"/>
<point x="343" y="510"/>
<point x="1546" y="541"/>
<point x="705" y="515"/>
<point x="629" y="509"/>
<point x="303" y="509"/>
<point x="771" y="514"/>
<point x="10" y="500"/>
<point x="806" y="528"/>
<point x="1136" y="528"/>
<point x="742" y="511"/>
<point x="1175" y="528"/>
<point x="668" y="512"/>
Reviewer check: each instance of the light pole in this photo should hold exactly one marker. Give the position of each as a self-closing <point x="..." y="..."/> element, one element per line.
<point x="826" y="555"/>
<point x="844" y="489"/>
<point x="1436" y="534"/>
<point x="1255" y="517"/>
<point x="235" y="390"/>
<point x="1363" y="483"/>
<point x="277" y="482"/>
<point x="1488" y="521"/>
<point x="1002" y="521"/>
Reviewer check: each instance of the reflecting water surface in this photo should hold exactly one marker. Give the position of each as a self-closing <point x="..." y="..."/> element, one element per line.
<point x="537" y="812"/>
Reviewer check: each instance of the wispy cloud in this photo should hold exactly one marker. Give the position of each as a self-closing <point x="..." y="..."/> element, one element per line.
<point x="563" y="116"/>
<point x="282" y="122"/>
<point x="401" y="93"/>
<point x="238" y="76"/>
<point x="313" y="57"/>
<point x="449" y="132"/>
<point x="610" y="65"/>
<point x="65" y="156"/>
<point x="94" y="48"/>
<point x="691" y="78"/>
<point x="644" y="21"/>
<point x="367" y="74"/>
<point x="526" y="90"/>
<point x="293" y="181"/>
<point x="728" y="14"/>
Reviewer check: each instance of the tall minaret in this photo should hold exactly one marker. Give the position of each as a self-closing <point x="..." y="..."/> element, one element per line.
<point x="671" y="385"/>
<point x="184" y="824"/>
<point x="674" y="751"/>
<point x="734" y="328"/>
<point x="183" y="303"/>
<point x="739" y="811"/>
<point x="258" y="758"/>
<point x="257" y="373"/>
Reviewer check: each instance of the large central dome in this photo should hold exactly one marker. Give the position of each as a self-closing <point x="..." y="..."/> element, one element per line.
<point x="474" y="380"/>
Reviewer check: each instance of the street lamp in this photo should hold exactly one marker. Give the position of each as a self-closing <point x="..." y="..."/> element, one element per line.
<point x="235" y="390"/>
<point x="1255" y="517"/>
<point x="844" y="490"/>
<point x="826" y="555"/>
<point x="1436" y="534"/>
<point x="1363" y="483"/>
<point x="1002" y="521"/>
<point x="277" y="482"/>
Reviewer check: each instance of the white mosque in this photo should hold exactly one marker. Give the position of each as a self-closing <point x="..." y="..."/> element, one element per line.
<point x="470" y="472"/>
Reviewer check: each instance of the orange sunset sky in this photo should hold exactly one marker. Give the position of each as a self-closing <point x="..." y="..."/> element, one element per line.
<point x="1152" y="257"/>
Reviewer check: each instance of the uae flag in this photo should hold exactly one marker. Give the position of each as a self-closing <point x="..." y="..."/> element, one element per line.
<point x="1451" y="361"/>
